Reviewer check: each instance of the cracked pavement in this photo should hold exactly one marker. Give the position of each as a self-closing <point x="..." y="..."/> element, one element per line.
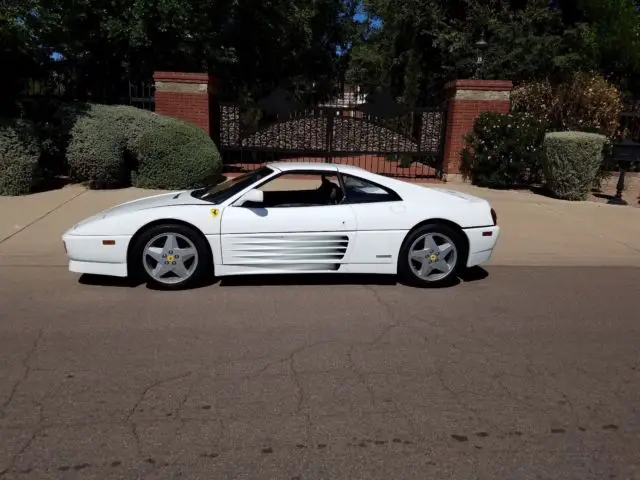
<point x="529" y="373"/>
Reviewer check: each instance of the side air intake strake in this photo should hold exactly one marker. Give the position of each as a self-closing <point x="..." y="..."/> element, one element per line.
<point x="275" y="249"/>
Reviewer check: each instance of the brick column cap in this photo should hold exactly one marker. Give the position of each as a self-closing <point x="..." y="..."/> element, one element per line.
<point x="483" y="85"/>
<point x="183" y="77"/>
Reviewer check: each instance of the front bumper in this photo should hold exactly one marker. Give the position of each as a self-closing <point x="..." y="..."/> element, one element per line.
<point x="87" y="254"/>
<point x="482" y="242"/>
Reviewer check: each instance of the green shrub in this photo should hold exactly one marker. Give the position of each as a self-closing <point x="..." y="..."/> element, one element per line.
<point x="19" y="157"/>
<point x="571" y="163"/>
<point x="176" y="155"/>
<point x="53" y="119"/>
<point x="116" y="146"/>
<point x="102" y="146"/>
<point x="503" y="150"/>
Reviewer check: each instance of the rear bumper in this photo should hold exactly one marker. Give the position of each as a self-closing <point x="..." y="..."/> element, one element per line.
<point x="482" y="242"/>
<point x="87" y="254"/>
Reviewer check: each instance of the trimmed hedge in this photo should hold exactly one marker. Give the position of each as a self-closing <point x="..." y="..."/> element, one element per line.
<point x="571" y="163"/>
<point x="116" y="146"/>
<point x="19" y="157"/>
<point x="176" y="155"/>
<point x="102" y="143"/>
<point x="53" y="119"/>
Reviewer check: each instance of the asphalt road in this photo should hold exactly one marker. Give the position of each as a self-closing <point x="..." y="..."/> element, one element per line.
<point x="529" y="373"/>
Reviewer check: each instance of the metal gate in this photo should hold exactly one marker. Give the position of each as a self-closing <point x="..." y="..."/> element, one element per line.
<point x="372" y="132"/>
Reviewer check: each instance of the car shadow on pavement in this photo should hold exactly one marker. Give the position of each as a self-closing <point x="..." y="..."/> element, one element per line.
<point x="473" y="274"/>
<point x="469" y="275"/>
<point x="308" y="279"/>
<point x="105" y="281"/>
<point x="119" y="282"/>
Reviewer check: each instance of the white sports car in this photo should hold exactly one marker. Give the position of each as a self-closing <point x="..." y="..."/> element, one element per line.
<point x="289" y="218"/>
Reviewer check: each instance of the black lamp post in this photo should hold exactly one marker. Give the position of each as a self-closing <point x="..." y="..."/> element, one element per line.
<point x="624" y="153"/>
<point x="481" y="47"/>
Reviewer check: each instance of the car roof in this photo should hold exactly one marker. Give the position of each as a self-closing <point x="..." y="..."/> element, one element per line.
<point x="318" y="166"/>
<point x="401" y="187"/>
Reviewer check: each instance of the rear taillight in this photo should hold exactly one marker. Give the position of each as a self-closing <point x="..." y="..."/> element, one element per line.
<point x="494" y="215"/>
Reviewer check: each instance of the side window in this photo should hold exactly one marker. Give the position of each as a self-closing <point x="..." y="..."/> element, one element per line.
<point x="302" y="189"/>
<point x="358" y="190"/>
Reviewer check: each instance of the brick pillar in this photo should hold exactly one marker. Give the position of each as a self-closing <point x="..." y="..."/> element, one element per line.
<point x="466" y="99"/>
<point x="185" y="96"/>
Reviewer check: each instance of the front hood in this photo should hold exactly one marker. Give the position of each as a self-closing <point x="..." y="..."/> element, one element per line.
<point x="163" y="200"/>
<point x="183" y="197"/>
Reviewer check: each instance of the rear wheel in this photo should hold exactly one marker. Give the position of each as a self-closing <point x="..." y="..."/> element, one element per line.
<point x="431" y="256"/>
<point x="171" y="257"/>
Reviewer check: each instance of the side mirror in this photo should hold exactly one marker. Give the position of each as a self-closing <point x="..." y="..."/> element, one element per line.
<point x="252" y="196"/>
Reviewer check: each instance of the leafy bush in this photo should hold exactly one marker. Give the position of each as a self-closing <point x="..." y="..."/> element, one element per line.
<point x="571" y="163"/>
<point x="19" y="156"/>
<point x="54" y="120"/>
<point x="590" y="104"/>
<point x="103" y="142"/>
<point x="176" y="155"/>
<point x="503" y="150"/>
<point x="586" y="103"/>
<point x="535" y="98"/>
<point x="115" y="146"/>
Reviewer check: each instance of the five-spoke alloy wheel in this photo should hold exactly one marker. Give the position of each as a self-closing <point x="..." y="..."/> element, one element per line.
<point x="431" y="256"/>
<point x="171" y="256"/>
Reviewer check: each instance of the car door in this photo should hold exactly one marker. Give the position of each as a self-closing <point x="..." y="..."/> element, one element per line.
<point x="288" y="237"/>
<point x="381" y="221"/>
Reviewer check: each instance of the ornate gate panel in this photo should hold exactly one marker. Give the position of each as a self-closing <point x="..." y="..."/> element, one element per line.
<point x="379" y="134"/>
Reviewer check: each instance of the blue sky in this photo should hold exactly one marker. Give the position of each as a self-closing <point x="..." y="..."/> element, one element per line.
<point x="362" y="17"/>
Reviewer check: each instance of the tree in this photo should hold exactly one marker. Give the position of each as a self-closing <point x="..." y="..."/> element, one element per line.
<point x="250" y="45"/>
<point x="614" y="31"/>
<point x="21" y="55"/>
<point x="424" y="43"/>
<point x="523" y="42"/>
<point x="400" y="54"/>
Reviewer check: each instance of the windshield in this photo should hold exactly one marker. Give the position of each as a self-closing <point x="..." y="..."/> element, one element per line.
<point x="217" y="194"/>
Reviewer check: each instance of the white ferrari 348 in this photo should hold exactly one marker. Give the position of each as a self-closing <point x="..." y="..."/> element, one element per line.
<point x="289" y="218"/>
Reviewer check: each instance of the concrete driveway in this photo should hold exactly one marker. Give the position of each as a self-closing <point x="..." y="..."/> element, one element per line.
<point x="525" y="370"/>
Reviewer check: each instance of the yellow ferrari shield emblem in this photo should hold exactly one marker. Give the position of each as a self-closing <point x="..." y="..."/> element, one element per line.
<point x="433" y="258"/>
<point x="215" y="212"/>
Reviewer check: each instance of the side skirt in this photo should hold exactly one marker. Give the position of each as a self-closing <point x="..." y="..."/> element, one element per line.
<point x="358" y="268"/>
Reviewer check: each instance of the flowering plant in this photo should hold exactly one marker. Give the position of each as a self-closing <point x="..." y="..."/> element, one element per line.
<point x="504" y="150"/>
<point x="586" y="103"/>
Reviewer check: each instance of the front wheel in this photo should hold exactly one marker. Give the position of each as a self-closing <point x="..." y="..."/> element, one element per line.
<point x="171" y="257"/>
<point x="431" y="256"/>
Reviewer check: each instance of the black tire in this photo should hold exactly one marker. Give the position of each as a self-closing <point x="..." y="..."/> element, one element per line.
<point x="203" y="268"/>
<point x="406" y="273"/>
